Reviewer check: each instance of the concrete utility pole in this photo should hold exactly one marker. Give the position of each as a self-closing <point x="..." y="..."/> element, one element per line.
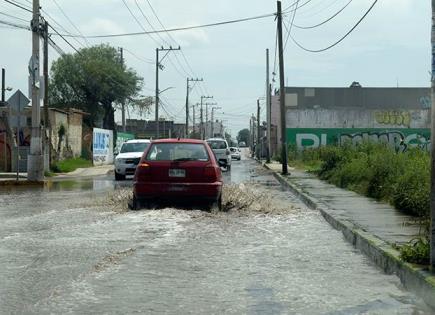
<point x="282" y="93"/>
<point x="432" y="199"/>
<point x="253" y="135"/>
<point x="35" y="166"/>
<point x="202" y="131"/>
<point x="268" y="109"/>
<point x="3" y="86"/>
<point x="207" y="129"/>
<point x="212" y="120"/>
<point x="159" y="66"/>
<point x="47" y="124"/>
<point x="194" y="119"/>
<point x="258" y="149"/>
<point x="124" y="128"/>
<point x="187" y="104"/>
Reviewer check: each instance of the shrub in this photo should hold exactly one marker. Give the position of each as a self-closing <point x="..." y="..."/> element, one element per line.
<point x="417" y="251"/>
<point x="412" y="188"/>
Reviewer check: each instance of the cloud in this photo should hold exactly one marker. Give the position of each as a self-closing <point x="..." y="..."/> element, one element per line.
<point x="101" y="26"/>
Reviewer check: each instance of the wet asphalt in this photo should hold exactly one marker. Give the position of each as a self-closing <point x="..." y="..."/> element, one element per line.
<point x="64" y="250"/>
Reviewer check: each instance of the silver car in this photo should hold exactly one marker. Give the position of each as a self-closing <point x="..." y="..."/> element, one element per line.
<point x="129" y="156"/>
<point x="221" y="150"/>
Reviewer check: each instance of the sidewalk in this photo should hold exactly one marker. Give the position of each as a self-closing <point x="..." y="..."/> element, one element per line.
<point x="378" y="218"/>
<point x="10" y="178"/>
<point x="88" y="172"/>
<point x="371" y="226"/>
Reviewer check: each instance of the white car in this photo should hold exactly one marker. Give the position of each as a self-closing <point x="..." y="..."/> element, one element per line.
<point x="129" y="156"/>
<point x="221" y="151"/>
<point x="235" y="153"/>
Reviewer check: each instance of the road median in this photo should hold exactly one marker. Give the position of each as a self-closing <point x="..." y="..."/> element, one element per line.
<point x="382" y="252"/>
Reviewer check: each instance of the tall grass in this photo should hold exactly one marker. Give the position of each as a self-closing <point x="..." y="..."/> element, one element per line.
<point x="377" y="171"/>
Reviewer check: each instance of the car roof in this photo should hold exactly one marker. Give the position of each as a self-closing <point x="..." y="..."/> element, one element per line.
<point x="216" y="139"/>
<point x="138" y="141"/>
<point x="181" y="140"/>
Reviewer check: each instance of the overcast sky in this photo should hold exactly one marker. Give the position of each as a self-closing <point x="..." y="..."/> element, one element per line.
<point x="390" y="47"/>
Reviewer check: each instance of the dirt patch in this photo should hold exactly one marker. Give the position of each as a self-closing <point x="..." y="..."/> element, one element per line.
<point x="113" y="259"/>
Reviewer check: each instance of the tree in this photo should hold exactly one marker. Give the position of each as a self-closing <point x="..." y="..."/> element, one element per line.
<point x="244" y="136"/>
<point x="95" y="81"/>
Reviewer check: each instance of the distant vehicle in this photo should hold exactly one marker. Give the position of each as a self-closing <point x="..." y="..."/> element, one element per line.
<point x="242" y="144"/>
<point x="235" y="153"/>
<point x="221" y="151"/>
<point x="128" y="158"/>
<point x="179" y="170"/>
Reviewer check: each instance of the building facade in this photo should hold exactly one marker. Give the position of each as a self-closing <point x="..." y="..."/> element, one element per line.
<point x="322" y="116"/>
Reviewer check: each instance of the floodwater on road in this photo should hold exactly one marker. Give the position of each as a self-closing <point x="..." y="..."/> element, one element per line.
<point x="63" y="251"/>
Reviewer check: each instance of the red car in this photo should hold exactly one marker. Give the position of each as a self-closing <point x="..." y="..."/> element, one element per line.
<point x="177" y="170"/>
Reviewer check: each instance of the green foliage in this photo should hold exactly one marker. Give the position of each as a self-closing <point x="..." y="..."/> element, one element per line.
<point x="70" y="165"/>
<point x="376" y="171"/>
<point x="417" y="251"/>
<point x="412" y="188"/>
<point x="92" y="80"/>
<point x="244" y="135"/>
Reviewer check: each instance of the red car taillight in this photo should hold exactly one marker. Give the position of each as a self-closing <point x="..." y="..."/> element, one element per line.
<point x="212" y="173"/>
<point x="142" y="172"/>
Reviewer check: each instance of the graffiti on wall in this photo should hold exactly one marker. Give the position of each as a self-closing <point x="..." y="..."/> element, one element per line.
<point x="102" y="146"/>
<point x="396" y="118"/>
<point x="400" y="139"/>
<point x="395" y="139"/>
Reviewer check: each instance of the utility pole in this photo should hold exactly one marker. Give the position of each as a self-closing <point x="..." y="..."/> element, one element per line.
<point x="159" y="67"/>
<point x="124" y="128"/>
<point x="187" y="104"/>
<point x="258" y="149"/>
<point x="35" y="166"/>
<point x="268" y="109"/>
<point x="3" y="86"/>
<point x="282" y="93"/>
<point x="212" y="120"/>
<point x="194" y="119"/>
<point x="432" y="199"/>
<point x="202" y="115"/>
<point x="253" y="136"/>
<point x="206" y="118"/>
<point x="47" y="124"/>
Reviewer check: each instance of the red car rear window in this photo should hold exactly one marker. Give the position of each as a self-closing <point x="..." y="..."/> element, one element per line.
<point x="177" y="152"/>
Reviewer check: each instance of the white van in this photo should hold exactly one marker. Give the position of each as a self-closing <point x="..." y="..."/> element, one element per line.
<point x="222" y="151"/>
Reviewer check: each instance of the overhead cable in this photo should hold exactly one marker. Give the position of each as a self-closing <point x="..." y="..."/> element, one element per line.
<point x="326" y="21"/>
<point x="176" y="29"/>
<point x="340" y="40"/>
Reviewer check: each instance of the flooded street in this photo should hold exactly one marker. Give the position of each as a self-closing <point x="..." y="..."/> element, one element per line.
<point x="63" y="251"/>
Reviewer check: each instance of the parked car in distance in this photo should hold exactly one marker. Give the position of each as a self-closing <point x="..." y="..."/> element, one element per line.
<point x="129" y="156"/>
<point x="178" y="170"/>
<point x="242" y="144"/>
<point x="221" y="151"/>
<point x="235" y="153"/>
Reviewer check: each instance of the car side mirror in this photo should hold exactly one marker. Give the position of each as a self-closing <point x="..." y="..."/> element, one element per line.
<point x="222" y="164"/>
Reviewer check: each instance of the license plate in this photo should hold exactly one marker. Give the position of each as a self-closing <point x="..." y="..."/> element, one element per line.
<point x="177" y="173"/>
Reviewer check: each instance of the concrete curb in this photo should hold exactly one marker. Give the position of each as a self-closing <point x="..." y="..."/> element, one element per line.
<point x="4" y="183"/>
<point x="413" y="277"/>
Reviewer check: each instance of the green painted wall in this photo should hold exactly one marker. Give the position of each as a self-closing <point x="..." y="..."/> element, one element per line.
<point x="401" y="138"/>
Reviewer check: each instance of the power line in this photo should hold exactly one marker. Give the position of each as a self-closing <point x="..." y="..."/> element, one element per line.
<point x="178" y="28"/>
<point x="69" y="20"/>
<point x="146" y="60"/>
<point x="14" y="17"/>
<point x="63" y="37"/>
<point x="25" y="27"/>
<point x="327" y="20"/>
<point x="341" y="39"/>
<point x="19" y="6"/>
<point x="291" y="25"/>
